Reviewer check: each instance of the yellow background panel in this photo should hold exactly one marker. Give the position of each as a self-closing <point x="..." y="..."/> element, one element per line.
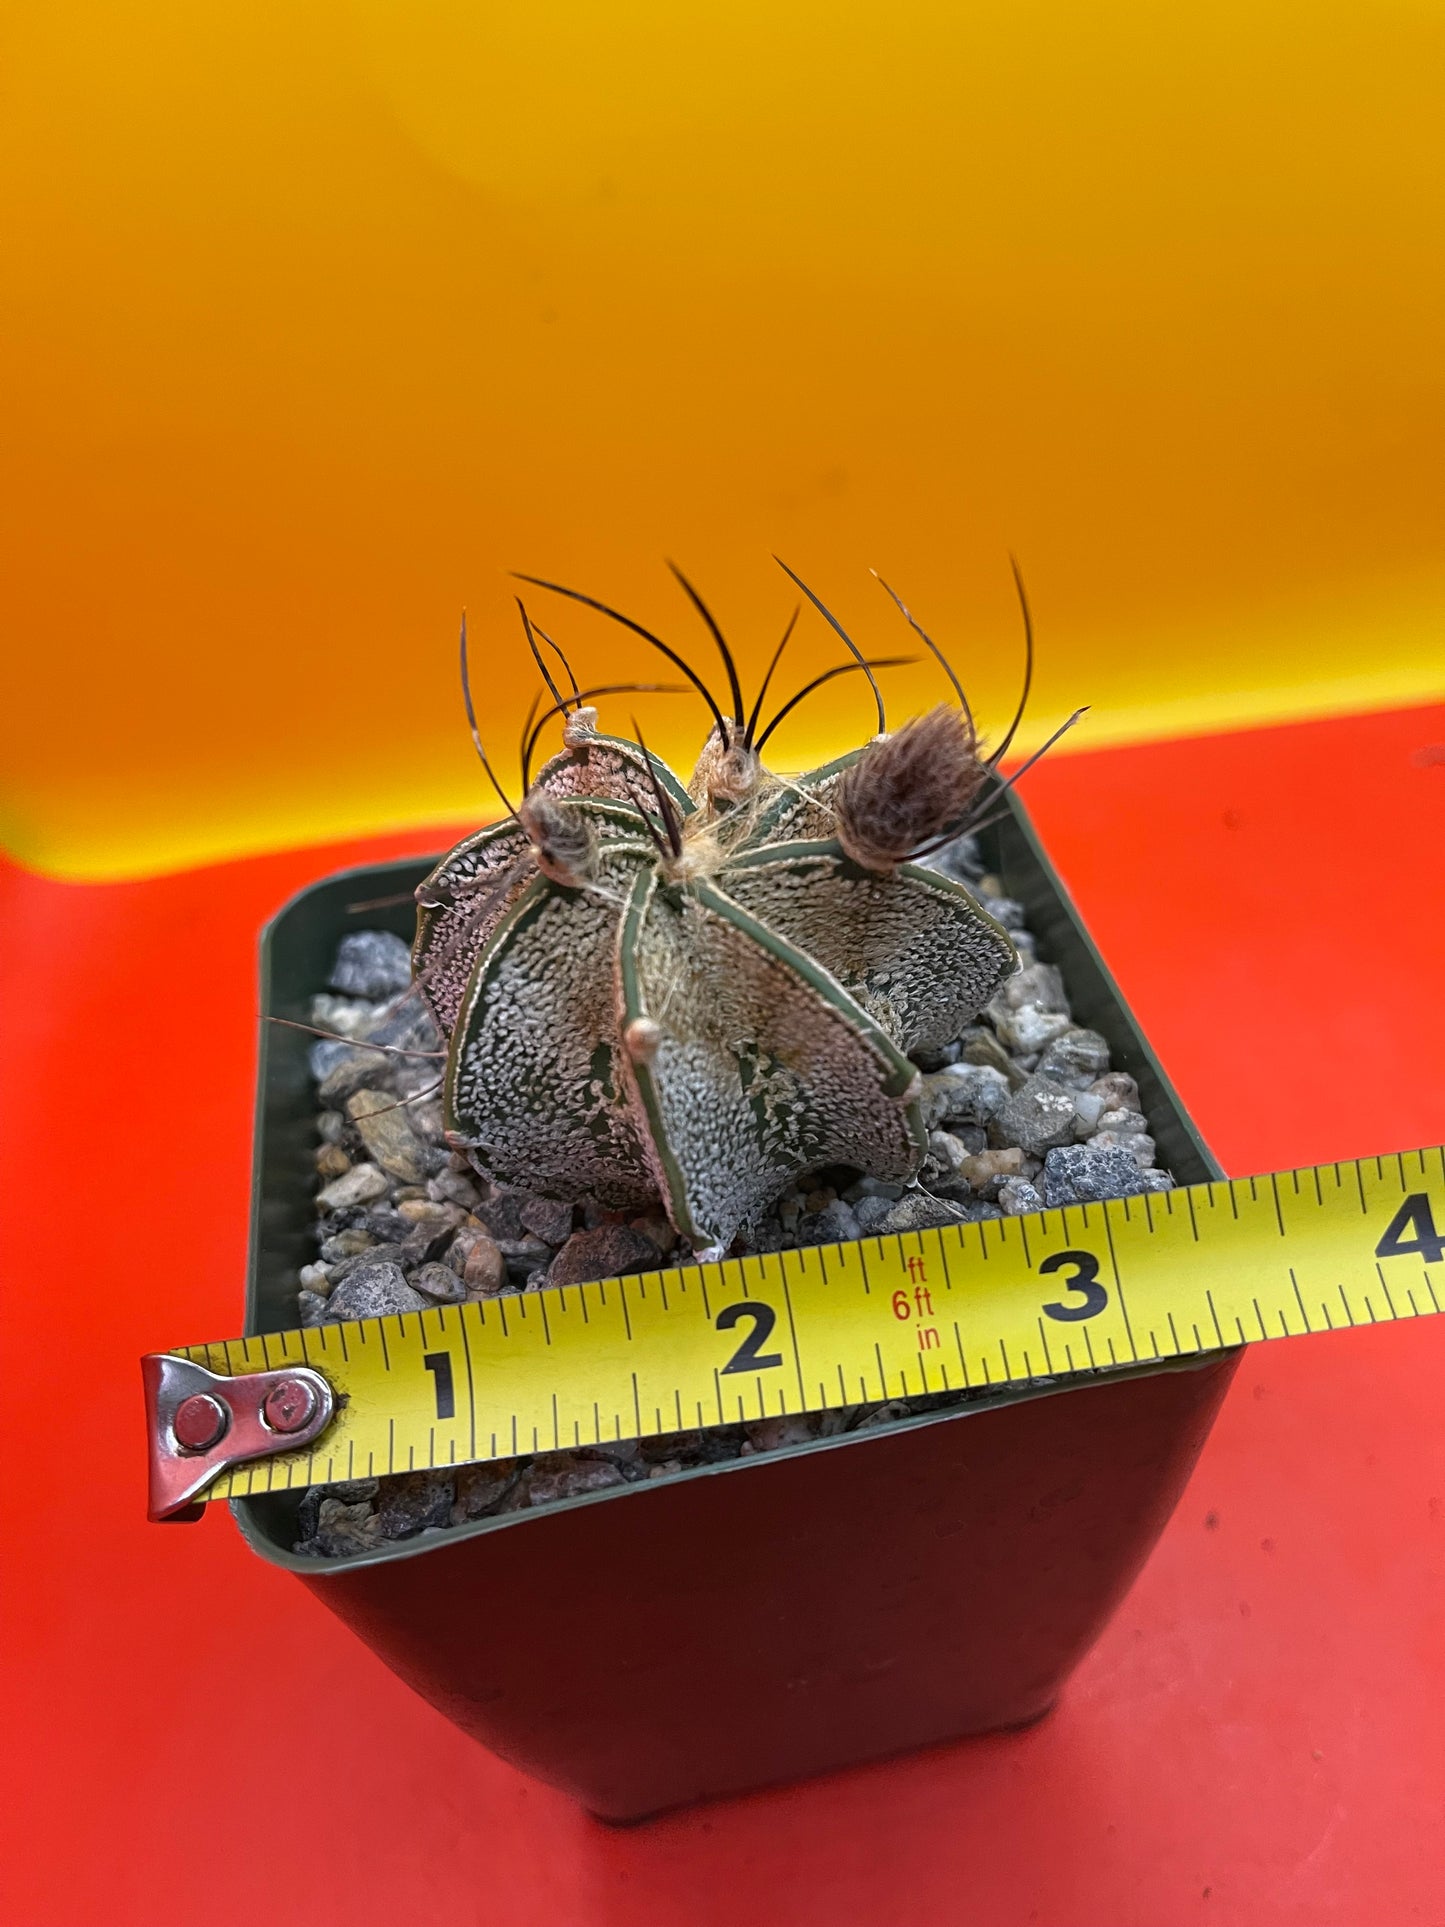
<point x="318" y="319"/>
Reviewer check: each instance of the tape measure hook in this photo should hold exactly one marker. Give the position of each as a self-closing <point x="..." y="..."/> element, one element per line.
<point x="199" y="1424"/>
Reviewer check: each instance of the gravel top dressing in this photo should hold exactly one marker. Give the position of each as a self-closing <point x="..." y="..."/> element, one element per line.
<point x="1023" y="1111"/>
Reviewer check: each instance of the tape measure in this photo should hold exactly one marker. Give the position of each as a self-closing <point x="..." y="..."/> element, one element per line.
<point x="1053" y="1294"/>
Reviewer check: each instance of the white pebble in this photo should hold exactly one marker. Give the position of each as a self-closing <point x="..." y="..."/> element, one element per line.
<point x="988" y="1165"/>
<point x="1138" y="1144"/>
<point x="1031" y="1029"/>
<point x="949" y="1150"/>
<point x="316" y="1278"/>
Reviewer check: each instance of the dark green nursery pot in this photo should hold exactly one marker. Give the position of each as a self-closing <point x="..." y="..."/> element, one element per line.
<point x="753" y="1622"/>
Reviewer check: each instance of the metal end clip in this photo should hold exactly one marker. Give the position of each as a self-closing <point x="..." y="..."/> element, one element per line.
<point x="199" y="1424"/>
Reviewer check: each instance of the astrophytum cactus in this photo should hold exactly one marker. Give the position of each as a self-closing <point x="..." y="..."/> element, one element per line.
<point x="695" y="993"/>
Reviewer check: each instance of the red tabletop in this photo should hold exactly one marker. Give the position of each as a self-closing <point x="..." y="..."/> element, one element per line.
<point x="1260" y="1736"/>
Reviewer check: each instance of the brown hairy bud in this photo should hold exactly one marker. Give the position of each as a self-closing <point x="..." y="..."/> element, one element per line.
<point x="906" y="789"/>
<point x="561" y="837"/>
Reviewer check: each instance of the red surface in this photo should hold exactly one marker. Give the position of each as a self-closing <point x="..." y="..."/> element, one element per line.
<point x="1259" y="1738"/>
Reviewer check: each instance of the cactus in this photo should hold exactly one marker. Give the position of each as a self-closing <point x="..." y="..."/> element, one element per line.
<point x="696" y="992"/>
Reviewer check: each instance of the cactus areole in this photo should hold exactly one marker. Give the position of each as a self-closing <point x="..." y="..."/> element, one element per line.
<point x="699" y="992"/>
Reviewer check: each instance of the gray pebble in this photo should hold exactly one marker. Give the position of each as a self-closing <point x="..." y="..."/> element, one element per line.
<point x="345" y="1244"/>
<point x="371" y="963"/>
<point x="1138" y="1144"/>
<point x="374" y="1254"/>
<point x="341" y="1070"/>
<point x="963" y="1094"/>
<point x="353" y="1491"/>
<point x="362" y="1184"/>
<point x="835" y="1224"/>
<point x="770" y="1434"/>
<point x="501" y="1211"/>
<point x="1118" y="1090"/>
<point x="425" y="1243"/>
<point x="324" y="1055"/>
<point x="766" y="1235"/>
<point x="979" y="1210"/>
<point x="1075" y="1057"/>
<point x="870" y="1415"/>
<point x="978" y="1045"/>
<point x="1083" y="1174"/>
<point x="1005" y="910"/>
<point x="548" y="1220"/>
<point x="331" y="1162"/>
<point x="523" y="1256"/>
<point x="610" y="1251"/>
<point x="409" y="1064"/>
<point x="345" y="1015"/>
<point x="330" y="1127"/>
<point x="409" y="1504"/>
<point x="439" y="1283"/>
<point x="659" y="1231"/>
<point x="373" y="1291"/>
<point x="961" y="858"/>
<point x="561" y="1475"/>
<point x="342" y="1529"/>
<point x="386" y="1131"/>
<point x="934" y="1057"/>
<point x="484" y="1489"/>
<point x="1039" y="985"/>
<point x="870" y="1214"/>
<point x="623" y="1452"/>
<point x="946" y="1150"/>
<point x="1029" y="1030"/>
<point x="873" y="1188"/>
<point x="918" y="1211"/>
<point x="454" y="1187"/>
<point x="310" y="1308"/>
<point x="1037" y="1116"/>
<point x="1016" y="1195"/>
<point x="385" y="1225"/>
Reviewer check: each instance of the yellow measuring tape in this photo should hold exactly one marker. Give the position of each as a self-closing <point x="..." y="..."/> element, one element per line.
<point x="1054" y="1294"/>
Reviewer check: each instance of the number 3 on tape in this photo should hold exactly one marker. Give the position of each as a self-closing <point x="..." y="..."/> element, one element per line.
<point x="1093" y="1297"/>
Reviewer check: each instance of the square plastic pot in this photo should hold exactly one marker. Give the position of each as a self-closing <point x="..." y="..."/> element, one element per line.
<point x="753" y="1622"/>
